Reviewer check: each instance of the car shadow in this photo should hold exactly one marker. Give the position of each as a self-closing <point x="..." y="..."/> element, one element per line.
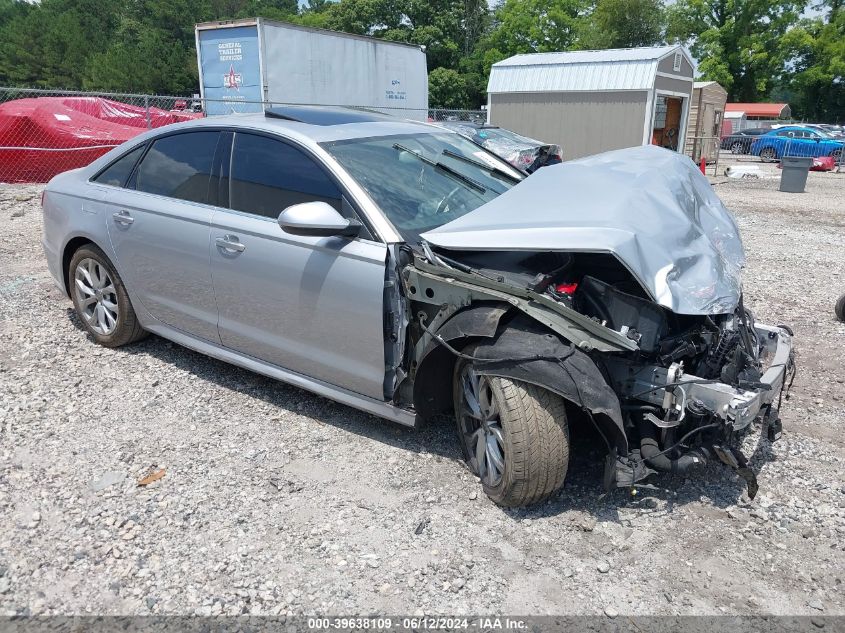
<point x="713" y="483"/>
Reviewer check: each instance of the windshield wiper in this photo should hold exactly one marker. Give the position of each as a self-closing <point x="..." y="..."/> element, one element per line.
<point x="487" y="168"/>
<point x="443" y="167"/>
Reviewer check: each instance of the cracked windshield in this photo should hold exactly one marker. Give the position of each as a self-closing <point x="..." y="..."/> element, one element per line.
<point x="422" y="181"/>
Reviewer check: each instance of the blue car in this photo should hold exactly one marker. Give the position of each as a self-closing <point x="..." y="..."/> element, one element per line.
<point x="796" y="140"/>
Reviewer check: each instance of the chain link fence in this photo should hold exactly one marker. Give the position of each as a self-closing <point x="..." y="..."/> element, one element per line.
<point x="46" y="132"/>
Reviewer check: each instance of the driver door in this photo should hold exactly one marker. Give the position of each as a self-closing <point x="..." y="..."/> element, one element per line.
<point x="312" y="305"/>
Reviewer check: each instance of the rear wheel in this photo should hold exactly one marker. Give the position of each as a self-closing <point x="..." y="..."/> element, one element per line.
<point x="837" y="154"/>
<point x="100" y="299"/>
<point x="768" y="155"/>
<point x="514" y="436"/>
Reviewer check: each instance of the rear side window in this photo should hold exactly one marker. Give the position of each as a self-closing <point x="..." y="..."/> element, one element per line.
<point x="179" y="166"/>
<point x="267" y="176"/>
<point x="118" y="172"/>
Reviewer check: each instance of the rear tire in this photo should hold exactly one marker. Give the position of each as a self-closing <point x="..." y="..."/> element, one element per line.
<point x="768" y="155"/>
<point x="840" y="308"/>
<point x="529" y="431"/>
<point x="101" y="300"/>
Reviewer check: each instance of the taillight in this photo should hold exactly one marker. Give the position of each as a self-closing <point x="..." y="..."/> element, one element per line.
<point x="567" y="288"/>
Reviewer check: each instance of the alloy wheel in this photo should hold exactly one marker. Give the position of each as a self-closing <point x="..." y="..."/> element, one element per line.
<point x="96" y="296"/>
<point x="481" y="427"/>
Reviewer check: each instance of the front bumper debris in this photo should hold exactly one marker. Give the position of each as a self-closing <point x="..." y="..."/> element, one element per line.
<point x="666" y="388"/>
<point x="728" y="409"/>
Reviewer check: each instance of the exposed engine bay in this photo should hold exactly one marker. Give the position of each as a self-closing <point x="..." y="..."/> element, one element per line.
<point x="682" y="387"/>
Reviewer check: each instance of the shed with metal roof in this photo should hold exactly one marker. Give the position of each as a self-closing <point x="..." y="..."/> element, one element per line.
<point x="593" y="101"/>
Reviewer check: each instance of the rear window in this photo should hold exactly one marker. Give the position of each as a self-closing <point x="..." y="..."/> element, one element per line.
<point x="179" y="166"/>
<point x="118" y="172"/>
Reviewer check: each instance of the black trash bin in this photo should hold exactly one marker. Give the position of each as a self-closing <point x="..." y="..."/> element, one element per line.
<point x="793" y="177"/>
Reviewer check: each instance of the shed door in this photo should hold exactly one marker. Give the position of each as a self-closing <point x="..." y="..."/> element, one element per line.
<point x="667" y="121"/>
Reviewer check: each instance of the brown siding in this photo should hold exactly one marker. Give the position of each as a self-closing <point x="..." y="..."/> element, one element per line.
<point x="707" y="110"/>
<point x="582" y="123"/>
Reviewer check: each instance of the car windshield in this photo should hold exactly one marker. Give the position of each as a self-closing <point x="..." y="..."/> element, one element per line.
<point x="821" y="132"/>
<point x="422" y="181"/>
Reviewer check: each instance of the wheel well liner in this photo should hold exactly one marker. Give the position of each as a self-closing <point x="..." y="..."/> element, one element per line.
<point x="70" y="248"/>
<point x="502" y="351"/>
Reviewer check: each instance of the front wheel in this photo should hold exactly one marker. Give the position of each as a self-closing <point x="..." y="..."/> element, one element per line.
<point x="768" y="155"/>
<point x="737" y="148"/>
<point x="840" y="308"/>
<point x="514" y="436"/>
<point x="100" y="299"/>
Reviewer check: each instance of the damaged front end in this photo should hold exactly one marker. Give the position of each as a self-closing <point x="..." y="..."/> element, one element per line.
<point x="667" y="392"/>
<point x="630" y="261"/>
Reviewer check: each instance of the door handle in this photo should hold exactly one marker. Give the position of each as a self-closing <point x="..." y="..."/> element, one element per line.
<point x="123" y="217"/>
<point x="230" y="243"/>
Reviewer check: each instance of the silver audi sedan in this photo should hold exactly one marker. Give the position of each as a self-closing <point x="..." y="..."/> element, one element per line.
<point x="397" y="267"/>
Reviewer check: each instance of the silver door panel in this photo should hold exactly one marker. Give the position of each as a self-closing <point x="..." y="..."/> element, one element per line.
<point x="162" y="252"/>
<point x="311" y="305"/>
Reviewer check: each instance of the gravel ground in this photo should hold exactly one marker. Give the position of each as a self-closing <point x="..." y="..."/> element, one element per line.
<point x="277" y="501"/>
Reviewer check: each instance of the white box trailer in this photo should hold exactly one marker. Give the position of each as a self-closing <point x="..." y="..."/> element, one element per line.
<point x="245" y="62"/>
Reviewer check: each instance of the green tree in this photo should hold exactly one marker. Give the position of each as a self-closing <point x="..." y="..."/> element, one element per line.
<point x="536" y="26"/>
<point x="624" y="24"/>
<point x="448" y="88"/>
<point x="816" y="63"/>
<point x="737" y="42"/>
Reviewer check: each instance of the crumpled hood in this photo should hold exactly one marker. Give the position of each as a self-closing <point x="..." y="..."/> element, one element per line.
<point x="650" y="207"/>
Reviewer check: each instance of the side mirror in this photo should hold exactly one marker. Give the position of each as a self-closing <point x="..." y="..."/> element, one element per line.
<point x="318" y="219"/>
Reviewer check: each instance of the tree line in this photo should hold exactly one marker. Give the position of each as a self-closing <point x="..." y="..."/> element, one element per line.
<point x="784" y="50"/>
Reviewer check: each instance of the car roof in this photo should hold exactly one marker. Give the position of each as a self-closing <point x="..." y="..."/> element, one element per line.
<point x="794" y="128"/>
<point x="318" y="123"/>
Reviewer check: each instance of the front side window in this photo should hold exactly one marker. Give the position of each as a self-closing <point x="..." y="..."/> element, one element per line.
<point x="118" y="172"/>
<point x="179" y="166"/>
<point x="422" y="181"/>
<point x="268" y="176"/>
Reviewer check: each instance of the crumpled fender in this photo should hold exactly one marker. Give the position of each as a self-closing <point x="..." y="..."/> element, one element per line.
<point x="433" y="389"/>
<point x="574" y="377"/>
<point x="521" y="349"/>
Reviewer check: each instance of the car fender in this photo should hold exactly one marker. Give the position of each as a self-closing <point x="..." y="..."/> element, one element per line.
<point x="518" y="348"/>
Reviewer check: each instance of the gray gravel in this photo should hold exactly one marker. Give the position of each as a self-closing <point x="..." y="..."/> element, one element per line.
<point x="278" y="501"/>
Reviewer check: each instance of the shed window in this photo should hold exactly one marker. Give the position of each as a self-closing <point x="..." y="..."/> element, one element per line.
<point x="676" y="63"/>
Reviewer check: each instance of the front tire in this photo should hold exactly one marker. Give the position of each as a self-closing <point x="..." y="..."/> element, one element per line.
<point x="514" y="436"/>
<point x="737" y="148"/>
<point x="100" y="299"/>
<point x="840" y="308"/>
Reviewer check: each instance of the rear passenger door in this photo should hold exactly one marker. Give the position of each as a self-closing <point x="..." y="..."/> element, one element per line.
<point x="159" y="225"/>
<point x="312" y="305"/>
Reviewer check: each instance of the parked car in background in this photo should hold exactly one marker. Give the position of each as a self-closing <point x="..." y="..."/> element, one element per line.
<point x="520" y="151"/>
<point x="795" y="140"/>
<point x="740" y="142"/>
<point x="395" y="267"/>
<point x="837" y="131"/>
